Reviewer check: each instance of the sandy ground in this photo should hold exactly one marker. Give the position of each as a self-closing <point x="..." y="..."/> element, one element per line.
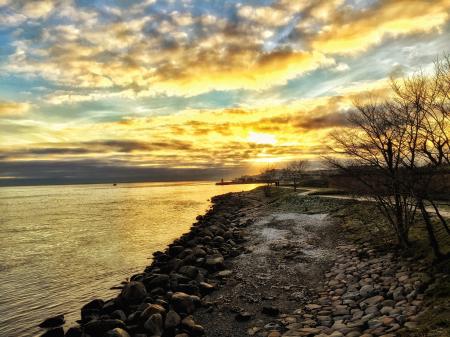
<point x="287" y="256"/>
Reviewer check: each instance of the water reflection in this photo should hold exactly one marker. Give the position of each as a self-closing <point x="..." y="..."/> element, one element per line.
<point x="64" y="245"/>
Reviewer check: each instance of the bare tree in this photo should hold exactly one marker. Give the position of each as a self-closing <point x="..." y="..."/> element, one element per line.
<point x="424" y="102"/>
<point x="376" y="146"/>
<point x="398" y="146"/>
<point x="294" y="171"/>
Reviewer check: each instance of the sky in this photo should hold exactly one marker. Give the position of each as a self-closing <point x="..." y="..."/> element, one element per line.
<point x="106" y="90"/>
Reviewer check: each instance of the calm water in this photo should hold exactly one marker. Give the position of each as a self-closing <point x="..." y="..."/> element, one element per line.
<point x="61" y="246"/>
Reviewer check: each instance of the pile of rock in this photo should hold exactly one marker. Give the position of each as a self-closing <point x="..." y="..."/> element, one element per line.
<point x="365" y="294"/>
<point x="161" y="300"/>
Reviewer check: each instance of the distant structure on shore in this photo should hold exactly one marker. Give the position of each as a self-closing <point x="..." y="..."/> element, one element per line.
<point x="331" y="178"/>
<point x="316" y="178"/>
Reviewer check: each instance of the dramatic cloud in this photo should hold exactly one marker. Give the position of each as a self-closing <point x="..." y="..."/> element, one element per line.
<point x="172" y="85"/>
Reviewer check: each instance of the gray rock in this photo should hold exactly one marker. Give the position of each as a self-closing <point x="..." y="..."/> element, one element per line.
<point x="366" y="290"/>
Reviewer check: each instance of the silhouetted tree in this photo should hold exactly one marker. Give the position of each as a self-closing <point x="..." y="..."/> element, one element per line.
<point x="294" y="171"/>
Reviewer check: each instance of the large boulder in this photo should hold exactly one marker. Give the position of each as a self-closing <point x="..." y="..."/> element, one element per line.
<point x="100" y="327"/>
<point x="134" y="292"/>
<point x="53" y="322"/>
<point x="56" y="332"/>
<point x="74" y="331"/>
<point x="157" y="281"/>
<point x="92" y="309"/>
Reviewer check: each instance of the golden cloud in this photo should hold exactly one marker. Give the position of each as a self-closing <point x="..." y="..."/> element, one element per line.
<point x="350" y="34"/>
<point x="154" y="53"/>
<point x="13" y="109"/>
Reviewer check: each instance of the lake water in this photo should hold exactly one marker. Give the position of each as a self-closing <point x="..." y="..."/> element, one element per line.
<point x="61" y="246"/>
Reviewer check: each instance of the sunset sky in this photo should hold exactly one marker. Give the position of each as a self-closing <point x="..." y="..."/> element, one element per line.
<point x="97" y="90"/>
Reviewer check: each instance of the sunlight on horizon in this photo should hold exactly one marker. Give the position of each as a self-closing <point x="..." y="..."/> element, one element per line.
<point x="168" y="88"/>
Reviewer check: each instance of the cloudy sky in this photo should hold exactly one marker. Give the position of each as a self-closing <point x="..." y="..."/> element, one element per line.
<point x="94" y="90"/>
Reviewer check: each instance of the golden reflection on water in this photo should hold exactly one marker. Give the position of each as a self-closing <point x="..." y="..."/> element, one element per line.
<point x="64" y="245"/>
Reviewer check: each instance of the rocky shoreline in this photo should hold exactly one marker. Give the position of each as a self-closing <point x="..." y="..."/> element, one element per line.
<point x="161" y="300"/>
<point x="252" y="267"/>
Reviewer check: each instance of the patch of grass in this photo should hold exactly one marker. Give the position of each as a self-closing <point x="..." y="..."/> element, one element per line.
<point x="328" y="191"/>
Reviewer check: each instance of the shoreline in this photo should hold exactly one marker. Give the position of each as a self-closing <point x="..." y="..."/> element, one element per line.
<point x="199" y="255"/>
<point x="200" y="284"/>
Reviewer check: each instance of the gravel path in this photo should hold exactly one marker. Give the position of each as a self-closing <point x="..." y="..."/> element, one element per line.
<point x="287" y="255"/>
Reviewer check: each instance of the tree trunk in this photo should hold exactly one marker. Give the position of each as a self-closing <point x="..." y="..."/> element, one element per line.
<point x="433" y="241"/>
<point x="443" y="222"/>
<point x="295" y="185"/>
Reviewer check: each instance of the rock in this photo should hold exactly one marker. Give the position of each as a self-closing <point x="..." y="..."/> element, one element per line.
<point x="152" y="309"/>
<point x="312" y="306"/>
<point x="119" y="314"/>
<point x="117" y="332"/>
<point x="253" y="330"/>
<point x="154" y="324"/>
<point x="134" y="292"/>
<point x="53" y="322"/>
<point x="353" y="334"/>
<point x="214" y="262"/>
<point x="189" y="324"/>
<point x="366" y="290"/>
<point x="183" y="303"/>
<point x="306" y="332"/>
<point x="374" y="300"/>
<point x="388" y="320"/>
<point x="243" y="316"/>
<point x="397" y="294"/>
<point x="92" y="308"/>
<point x="189" y="271"/>
<point x="175" y="250"/>
<point x="206" y="288"/>
<point x="337" y="334"/>
<point x="224" y="273"/>
<point x="410" y="325"/>
<point x="74" y="332"/>
<point x="172" y="320"/>
<point x="157" y="281"/>
<point x="56" y="332"/>
<point x="270" y="311"/>
<point x="340" y="310"/>
<point x="274" y="334"/>
<point x="100" y="327"/>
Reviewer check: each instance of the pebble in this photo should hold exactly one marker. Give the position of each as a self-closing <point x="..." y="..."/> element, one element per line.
<point x="365" y="295"/>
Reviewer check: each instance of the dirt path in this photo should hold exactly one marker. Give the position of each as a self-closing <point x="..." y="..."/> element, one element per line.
<point x="287" y="256"/>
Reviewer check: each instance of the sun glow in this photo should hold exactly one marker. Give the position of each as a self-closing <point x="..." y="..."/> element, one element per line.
<point x="261" y="138"/>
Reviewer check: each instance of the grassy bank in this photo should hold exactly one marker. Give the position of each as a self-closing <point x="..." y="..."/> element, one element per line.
<point x="362" y="223"/>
